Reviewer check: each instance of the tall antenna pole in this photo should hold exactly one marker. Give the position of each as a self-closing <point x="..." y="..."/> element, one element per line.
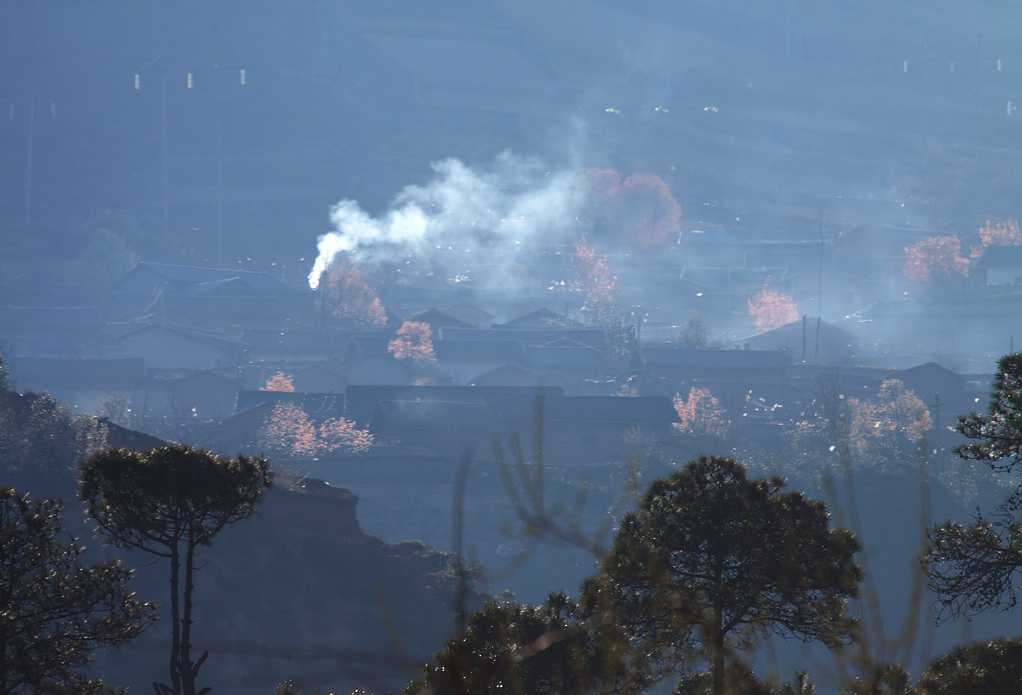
<point x="164" y="137"/>
<point x="976" y="125"/>
<point x="937" y="403"/>
<point x="166" y="158"/>
<point x="30" y="153"/>
<point x="28" y="166"/>
<point x="219" y="152"/>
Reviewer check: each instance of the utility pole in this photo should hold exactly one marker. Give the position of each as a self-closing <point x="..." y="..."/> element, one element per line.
<point x="218" y="118"/>
<point x="31" y="103"/>
<point x="219" y="155"/>
<point x="163" y="137"/>
<point x="28" y="167"/>
<point x="218" y="126"/>
<point x="937" y="403"/>
<point x="978" y="61"/>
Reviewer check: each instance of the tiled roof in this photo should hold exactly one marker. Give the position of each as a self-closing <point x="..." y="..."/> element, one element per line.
<point x="186" y="274"/>
<point x="325" y="404"/>
<point x="595" y="337"/>
<point x="436" y="414"/>
<point x="647" y="409"/>
<point x="543" y="318"/>
<point x="665" y="354"/>
<point x="91" y="369"/>
<point x="21" y="317"/>
<point x="478" y="351"/>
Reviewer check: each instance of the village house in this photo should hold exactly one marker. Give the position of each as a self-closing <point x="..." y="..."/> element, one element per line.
<point x="81" y="383"/>
<point x="213" y="297"/>
<point x="203" y="395"/>
<point x="180" y="348"/>
<point x="361" y="401"/>
<point x="55" y="332"/>
<point x="809" y="340"/>
<point x="663" y="369"/>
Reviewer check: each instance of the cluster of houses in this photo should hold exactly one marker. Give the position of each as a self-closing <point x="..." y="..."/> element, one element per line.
<point x="193" y="345"/>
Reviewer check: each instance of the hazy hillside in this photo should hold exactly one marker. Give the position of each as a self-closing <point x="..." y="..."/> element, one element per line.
<point x="458" y="134"/>
<point x="781" y="108"/>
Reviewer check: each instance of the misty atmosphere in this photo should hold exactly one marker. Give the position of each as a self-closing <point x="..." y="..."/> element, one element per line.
<point x="500" y="295"/>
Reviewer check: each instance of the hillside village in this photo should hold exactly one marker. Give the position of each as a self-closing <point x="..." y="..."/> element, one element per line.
<point x="180" y="345"/>
<point x="475" y="400"/>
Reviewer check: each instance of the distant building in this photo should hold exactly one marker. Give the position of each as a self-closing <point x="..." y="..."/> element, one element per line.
<point x="999" y="265"/>
<point x="731" y="375"/>
<point x="809" y="340"/>
<point x="54" y="332"/>
<point x="203" y="395"/>
<point x="176" y="347"/>
<point x="82" y="383"/>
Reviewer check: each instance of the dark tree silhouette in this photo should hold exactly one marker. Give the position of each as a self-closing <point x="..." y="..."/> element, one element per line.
<point x="695" y="334"/>
<point x="55" y="610"/>
<point x="973" y="567"/>
<point x="979" y="668"/>
<point x="42" y="440"/>
<point x="169" y="501"/>
<point x="712" y="560"/>
<point x="518" y="648"/>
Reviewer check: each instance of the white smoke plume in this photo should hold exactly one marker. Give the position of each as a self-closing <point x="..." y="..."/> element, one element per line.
<point x="475" y="213"/>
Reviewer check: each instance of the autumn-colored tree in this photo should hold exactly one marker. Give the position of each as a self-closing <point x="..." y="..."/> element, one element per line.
<point x="653" y="216"/>
<point x="341" y="435"/>
<point x="288" y="431"/>
<point x="695" y="334"/>
<point x="935" y="259"/>
<point x="997" y="233"/>
<point x="593" y="278"/>
<point x="603" y="185"/>
<point x="280" y="382"/>
<point x="414" y="342"/>
<point x="641" y="209"/>
<point x="892" y="423"/>
<point x="770" y="309"/>
<point x="350" y="300"/>
<point x="701" y="414"/>
<point x="886" y="428"/>
<point x="597" y="284"/>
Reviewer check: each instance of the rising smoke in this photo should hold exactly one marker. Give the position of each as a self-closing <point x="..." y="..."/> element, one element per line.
<point x="481" y="215"/>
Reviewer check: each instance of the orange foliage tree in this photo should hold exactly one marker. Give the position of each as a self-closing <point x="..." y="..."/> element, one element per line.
<point x="934" y="259"/>
<point x="770" y="309"/>
<point x="597" y="283"/>
<point x="887" y="428"/>
<point x="414" y="342"/>
<point x="640" y="209"/>
<point x="701" y="414"/>
<point x="280" y="382"/>
<point x="891" y="423"/>
<point x="593" y="278"/>
<point x="349" y="299"/>
<point x="341" y="435"/>
<point x="997" y="233"/>
<point x="289" y="431"/>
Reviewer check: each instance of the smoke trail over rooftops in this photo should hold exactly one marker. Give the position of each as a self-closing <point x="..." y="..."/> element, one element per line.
<point x="478" y="213"/>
